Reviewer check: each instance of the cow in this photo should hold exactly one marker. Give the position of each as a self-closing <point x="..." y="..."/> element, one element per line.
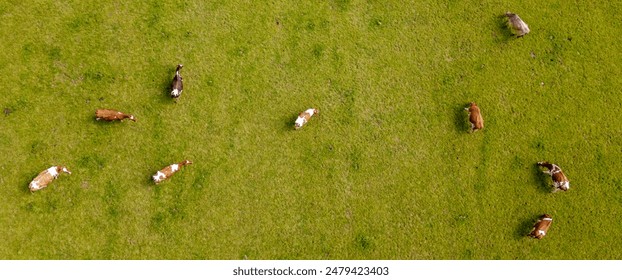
<point x="475" y="117"/>
<point x="304" y="117"/>
<point x="560" y="181"/>
<point x="517" y="25"/>
<point x="178" y="85"/>
<point x="46" y="176"/>
<point x="541" y="227"/>
<point x="168" y="171"/>
<point x="112" y="115"/>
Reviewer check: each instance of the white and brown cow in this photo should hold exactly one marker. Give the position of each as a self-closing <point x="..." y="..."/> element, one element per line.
<point x="541" y="227"/>
<point x="46" y="176"/>
<point x="112" y="115"/>
<point x="304" y="117"/>
<point x="560" y="181"/>
<point x="178" y="85"/>
<point x="475" y="117"/>
<point x="168" y="171"/>
<point x="517" y="25"/>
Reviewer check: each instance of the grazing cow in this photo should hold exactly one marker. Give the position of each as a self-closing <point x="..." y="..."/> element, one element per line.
<point x="560" y="181"/>
<point x="178" y="85"/>
<point x="46" y="176"/>
<point x="517" y="25"/>
<point x="475" y="117"/>
<point x="304" y="117"/>
<point x="112" y="115"/>
<point x="168" y="171"/>
<point x="541" y="227"/>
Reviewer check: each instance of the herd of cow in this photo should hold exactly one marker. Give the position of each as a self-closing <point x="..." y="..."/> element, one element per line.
<point x="560" y="181"/>
<point x="515" y="23"/>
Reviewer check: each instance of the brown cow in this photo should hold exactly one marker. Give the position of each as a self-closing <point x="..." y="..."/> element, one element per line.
<point x="475" y="117"/>
<point x="517" y="25"/>
<point x="112" y="115"/>
<point x="560" y="181"/>
<point x="168" y="171"/>
<point x="178" y="85"/>
<point x="541" y="227"/>
<point x="46" y="176"/>
<point x="304" y="117"/>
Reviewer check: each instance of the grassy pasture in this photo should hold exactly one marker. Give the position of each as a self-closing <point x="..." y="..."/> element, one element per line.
<point x="386" y="171"/>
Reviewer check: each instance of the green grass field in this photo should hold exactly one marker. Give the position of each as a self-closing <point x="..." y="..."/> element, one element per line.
<point x="386" y="171"/>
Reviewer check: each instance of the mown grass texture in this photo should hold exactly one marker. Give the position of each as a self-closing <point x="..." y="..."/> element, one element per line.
<point x="386" y="171"/>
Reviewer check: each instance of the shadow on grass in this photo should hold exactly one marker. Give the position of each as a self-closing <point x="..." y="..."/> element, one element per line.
<point x="25" y="182"/>
<point x="541" y="179"/>
<point x="148" y="179"/>
<point x="287" y="122"/>
<point x="524" y="228"/>
<point x="461" y="119"/>
<point x="503" y="28"/>
<point x="165" y="85"/>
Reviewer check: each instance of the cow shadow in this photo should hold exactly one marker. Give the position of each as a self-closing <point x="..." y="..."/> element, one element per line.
<point x="94" y="120"/>
<point x="501" y="22"/>
<point x="287" y="122"/>
<point x="523" y="229"/>
<point x="541" y="179"/>
<point x="24" y="182"/>
<point x="461" y="120"/>
<point x="148" y="180"/>
<point x="91" y="115"/>
<point x="165" y="85"/>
